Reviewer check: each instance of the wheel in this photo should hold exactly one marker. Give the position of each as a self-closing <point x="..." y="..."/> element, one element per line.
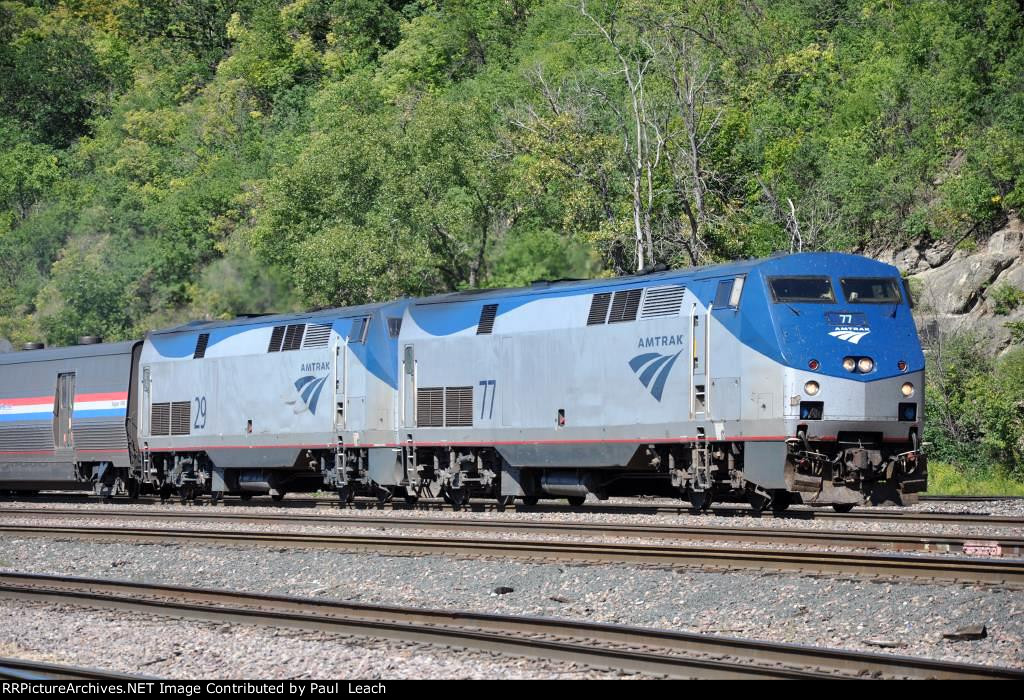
<point x="183" y="495"/>
<point x="531" y="500"/>
<point x="279" y="496"/>
<point x="505" y="501"/>
<point x="758" y="501"/>
<point x="781" y="500"/>
<point x="216" y="497"/>
<point x="842" y="507"/>
<point x="384" y="495"/>
<point x="576" y="501"/>
<point x="345" y="493"/>
<point x="700" y="500"/>
<point x="132" y="488"/>
<point x="410" y="498"/>
<point x="245" y="496"/>
<point x="456" y="498"/>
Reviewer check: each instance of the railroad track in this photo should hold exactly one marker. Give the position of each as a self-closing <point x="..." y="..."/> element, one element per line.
<point x="877" y="565"/>
<point x="891" y="542"/>
<point x="724" y="510"/>
<point x="673" y="654"/>
<point x="25" y="670"/>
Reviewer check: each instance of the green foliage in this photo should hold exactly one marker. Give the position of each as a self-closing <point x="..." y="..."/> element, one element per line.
<point x="975" y="406"/>
<point x="1005" y="298"/>
<point x="945" y="479"/>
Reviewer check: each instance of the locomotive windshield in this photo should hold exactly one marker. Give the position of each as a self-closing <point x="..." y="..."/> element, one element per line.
<point x="816" y="289"/>
<point x="871" y="290"/>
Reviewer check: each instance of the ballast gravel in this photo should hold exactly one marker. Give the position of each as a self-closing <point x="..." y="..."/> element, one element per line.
<point x="168" y="648"/>
<point x="868" y="615"/>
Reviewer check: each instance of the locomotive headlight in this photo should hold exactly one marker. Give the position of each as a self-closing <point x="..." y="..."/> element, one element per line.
<point x="907" y="389"/>
<point x="865" y="365"/>
<point x="811" y="388"/>
<point x="849" y="364"/>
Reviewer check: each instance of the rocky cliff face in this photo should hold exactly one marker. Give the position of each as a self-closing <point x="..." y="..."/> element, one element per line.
<point x="977" y="290"/>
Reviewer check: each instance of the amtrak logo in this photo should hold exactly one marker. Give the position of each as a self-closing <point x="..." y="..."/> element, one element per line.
<point x="652" y="369"/>
<point x="309" y="388"/>
<point x="851" y="334"/>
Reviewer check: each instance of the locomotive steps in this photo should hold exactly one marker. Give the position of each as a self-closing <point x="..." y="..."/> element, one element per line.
<point x="875" y="565"/>
<point x="673" y="654"/>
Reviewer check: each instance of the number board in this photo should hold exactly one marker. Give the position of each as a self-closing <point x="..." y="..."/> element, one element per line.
<point x="839" y="319"/>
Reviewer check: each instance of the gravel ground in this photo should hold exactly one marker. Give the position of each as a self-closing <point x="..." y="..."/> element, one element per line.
<point x="818" y="610"/>
<point x="409" y="529"/>
<point x="187" y="649"/>
<point x="1009" y="508"/>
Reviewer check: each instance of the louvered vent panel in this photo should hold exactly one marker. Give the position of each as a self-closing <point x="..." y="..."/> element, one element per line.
<point x="599" y="309"/>
<point x="430" y="407"/>
<point x="181" y="418"/>
<point x="486" y="323"/>
<point x="318" y="336"/>
<point x="275" y="339"/>
<point x="15" y="438"/>
<point x="105" y="435"/>
<point x="662" y="301"/>
<point x="160" y="419"/>
<point x="625" y="304"/>
<point x="201" y="342"/>
<point x="293" y="337"/>
<point x="458" y="406"/>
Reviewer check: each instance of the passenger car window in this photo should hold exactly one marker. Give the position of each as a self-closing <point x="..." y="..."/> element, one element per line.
<point x="871" y="290"/>
<point x="814" y="289"/>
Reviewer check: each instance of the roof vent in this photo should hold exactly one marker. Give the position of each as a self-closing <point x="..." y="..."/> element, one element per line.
<point x="90" y="340"/>
<point x="33" y="346"/>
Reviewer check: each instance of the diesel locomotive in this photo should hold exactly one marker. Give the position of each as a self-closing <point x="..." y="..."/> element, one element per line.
<point x="795" y="378"/>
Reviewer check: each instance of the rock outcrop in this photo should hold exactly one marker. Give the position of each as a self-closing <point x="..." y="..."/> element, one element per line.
<point x="978" y="291"/>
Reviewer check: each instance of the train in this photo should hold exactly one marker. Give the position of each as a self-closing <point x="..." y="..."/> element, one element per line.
<point x="790" y="379"/>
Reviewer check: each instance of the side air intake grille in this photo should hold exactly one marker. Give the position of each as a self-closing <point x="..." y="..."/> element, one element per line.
<point x="17" y="438"/>
<point x="458" y="406"/>
<point x="662" y="301"/>
<point x="100" y="436"/>
<point x="599" y="309"/>
<point x="625" y="304"/>
<point x="317" y="336"/>
<point x="293" y="337"/>
<point x="430" y="407"/>
<point x="181" y="418"/>
<point x="160" y="419"/>
<point x="275" y="339"/>
<point x="486" y="324"/>
<point x="201" y="342"/>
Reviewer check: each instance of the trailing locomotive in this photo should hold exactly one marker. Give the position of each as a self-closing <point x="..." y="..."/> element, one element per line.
<point x="796" y="378"/>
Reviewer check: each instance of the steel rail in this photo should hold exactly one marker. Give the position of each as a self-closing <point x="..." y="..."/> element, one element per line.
<point x="725" y="510"/>
<point x="26" y="670"/>
<point x="629" y="648"/>
<point x="885" y="541"/>
<point x="954" y="569"/>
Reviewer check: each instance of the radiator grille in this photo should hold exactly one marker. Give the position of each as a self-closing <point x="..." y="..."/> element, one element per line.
<point x="293" y="337"/>
<point x="100" y="436"/>
<point x="625" y="304"/>
<point x="317" y="336"/>
<point x="662" y="301"/>
<point x="14" y="438"/>
<point x="486" y="323"/>
<point x="275" y="339"/>
<point x="160" y="419"/>
<point x="181" y="418"/>
<point x="599" y="309"/>
<point x="201" y="342"/>
<point x="458" y="406"/>
<point x="430" y="407"/>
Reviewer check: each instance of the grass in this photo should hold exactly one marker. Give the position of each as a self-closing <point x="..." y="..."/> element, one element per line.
<point x="945" y="479"/>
